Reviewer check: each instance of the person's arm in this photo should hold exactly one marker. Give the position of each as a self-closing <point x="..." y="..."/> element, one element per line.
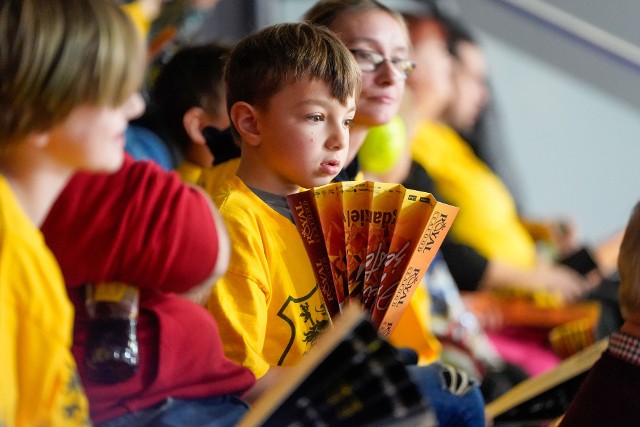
<point x="543" y="277"/>
<point x="239" y="300"/>
<point x="201" y="292"/>
<point x="141" y="225"/>
<point x="606" y="253"/>
<point x="472" y="271"/>
<point x="267" y="381"/>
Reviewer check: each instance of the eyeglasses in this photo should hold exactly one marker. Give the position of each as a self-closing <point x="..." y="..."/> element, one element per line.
<point x="371" y="61"/>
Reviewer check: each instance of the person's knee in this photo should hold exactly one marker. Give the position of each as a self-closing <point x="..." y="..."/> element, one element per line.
<point x="454" y="395"/>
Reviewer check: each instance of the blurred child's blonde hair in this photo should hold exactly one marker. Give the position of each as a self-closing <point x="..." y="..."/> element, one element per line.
<point x="56" y="55"/>
<point x="265" y="61"/>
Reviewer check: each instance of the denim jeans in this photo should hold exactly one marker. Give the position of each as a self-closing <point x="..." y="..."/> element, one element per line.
<point x="223" y="411"/>
<point x="462" y="407"/>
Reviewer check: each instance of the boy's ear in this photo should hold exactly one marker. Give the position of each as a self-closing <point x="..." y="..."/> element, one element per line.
<point x="194" y="120"/>
<point x="38" y="139"/>
<point x="244" y="118"/>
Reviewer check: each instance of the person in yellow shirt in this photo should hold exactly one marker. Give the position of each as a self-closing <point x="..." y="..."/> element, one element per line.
<point x="293" y="116"/>
<point x="292" y="122"/>
<point x="70" y="72"/>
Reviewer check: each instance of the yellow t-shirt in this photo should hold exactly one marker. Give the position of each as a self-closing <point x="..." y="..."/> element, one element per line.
<point x="189" y="172"/>
<point x="268" y="307"/>
<point x="211" y="178"/>
<point x="488" y="220"/>
<point x="208" y="178"/>
<point x="39" y="384"/>
<point x="414" y="329"/>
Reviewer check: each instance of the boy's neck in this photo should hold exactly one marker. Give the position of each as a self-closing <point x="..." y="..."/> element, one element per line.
<point x="257" y="175"/>
<point x="35" y="183"/>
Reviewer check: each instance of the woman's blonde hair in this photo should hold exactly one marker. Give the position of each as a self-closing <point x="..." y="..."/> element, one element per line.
<point x="324" y="12"/>
<point x="56" y="55"/>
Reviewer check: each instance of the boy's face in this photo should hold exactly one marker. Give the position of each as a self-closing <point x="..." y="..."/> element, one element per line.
<point x="304" y="136"/>
<point x="91" y="137"/>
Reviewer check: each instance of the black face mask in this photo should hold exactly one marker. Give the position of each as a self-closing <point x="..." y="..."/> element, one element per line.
<point x="221" y="144"/>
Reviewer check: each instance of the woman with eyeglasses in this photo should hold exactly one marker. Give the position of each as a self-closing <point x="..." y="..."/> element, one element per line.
<point x="378" y="38"/>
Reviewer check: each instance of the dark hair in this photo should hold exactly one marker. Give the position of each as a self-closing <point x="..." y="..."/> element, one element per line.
<point x="265" y="61"/>
<point x="192" y="78"/>
<point x="457" y="32"/>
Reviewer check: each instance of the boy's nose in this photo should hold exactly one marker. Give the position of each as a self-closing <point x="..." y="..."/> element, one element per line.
<point x="339" y="138"/>
<point x="134" y="106"/>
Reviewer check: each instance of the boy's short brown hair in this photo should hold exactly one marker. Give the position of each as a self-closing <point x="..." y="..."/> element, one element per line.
<point x="265" y="61"/>
<point x="56" y="55"/>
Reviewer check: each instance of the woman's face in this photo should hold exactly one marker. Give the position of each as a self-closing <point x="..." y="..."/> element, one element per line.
<point x="431" y="82"/>
<point x="375" y="31"/>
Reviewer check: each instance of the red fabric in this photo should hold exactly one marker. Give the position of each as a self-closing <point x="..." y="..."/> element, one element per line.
<point x="144" y="227"/>
<point x="139" y="225"/>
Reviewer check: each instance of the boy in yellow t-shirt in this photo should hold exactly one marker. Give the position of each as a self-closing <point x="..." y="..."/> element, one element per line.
<point x="70" y="71"/>
<point x="291" y="92"/>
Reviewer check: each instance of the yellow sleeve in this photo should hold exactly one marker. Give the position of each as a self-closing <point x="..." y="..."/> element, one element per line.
<point x="239" y="307"/>
<point x="213" y="177"/>
<point x="239" y="299"/>
<point x="40" y="384"/>
<point x="189" y="172"/>
<point x="135" y="12"/>
<point x="414" y="329"/>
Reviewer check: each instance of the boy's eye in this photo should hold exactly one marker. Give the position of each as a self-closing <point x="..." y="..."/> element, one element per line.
<point x="348" y="122"/>
<point x="315" y="118"/>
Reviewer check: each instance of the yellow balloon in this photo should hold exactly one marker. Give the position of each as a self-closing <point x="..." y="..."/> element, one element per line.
<point x="383" y="146"/>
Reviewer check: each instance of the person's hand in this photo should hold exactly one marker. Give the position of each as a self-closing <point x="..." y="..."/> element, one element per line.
<point x="559" y="278"/>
